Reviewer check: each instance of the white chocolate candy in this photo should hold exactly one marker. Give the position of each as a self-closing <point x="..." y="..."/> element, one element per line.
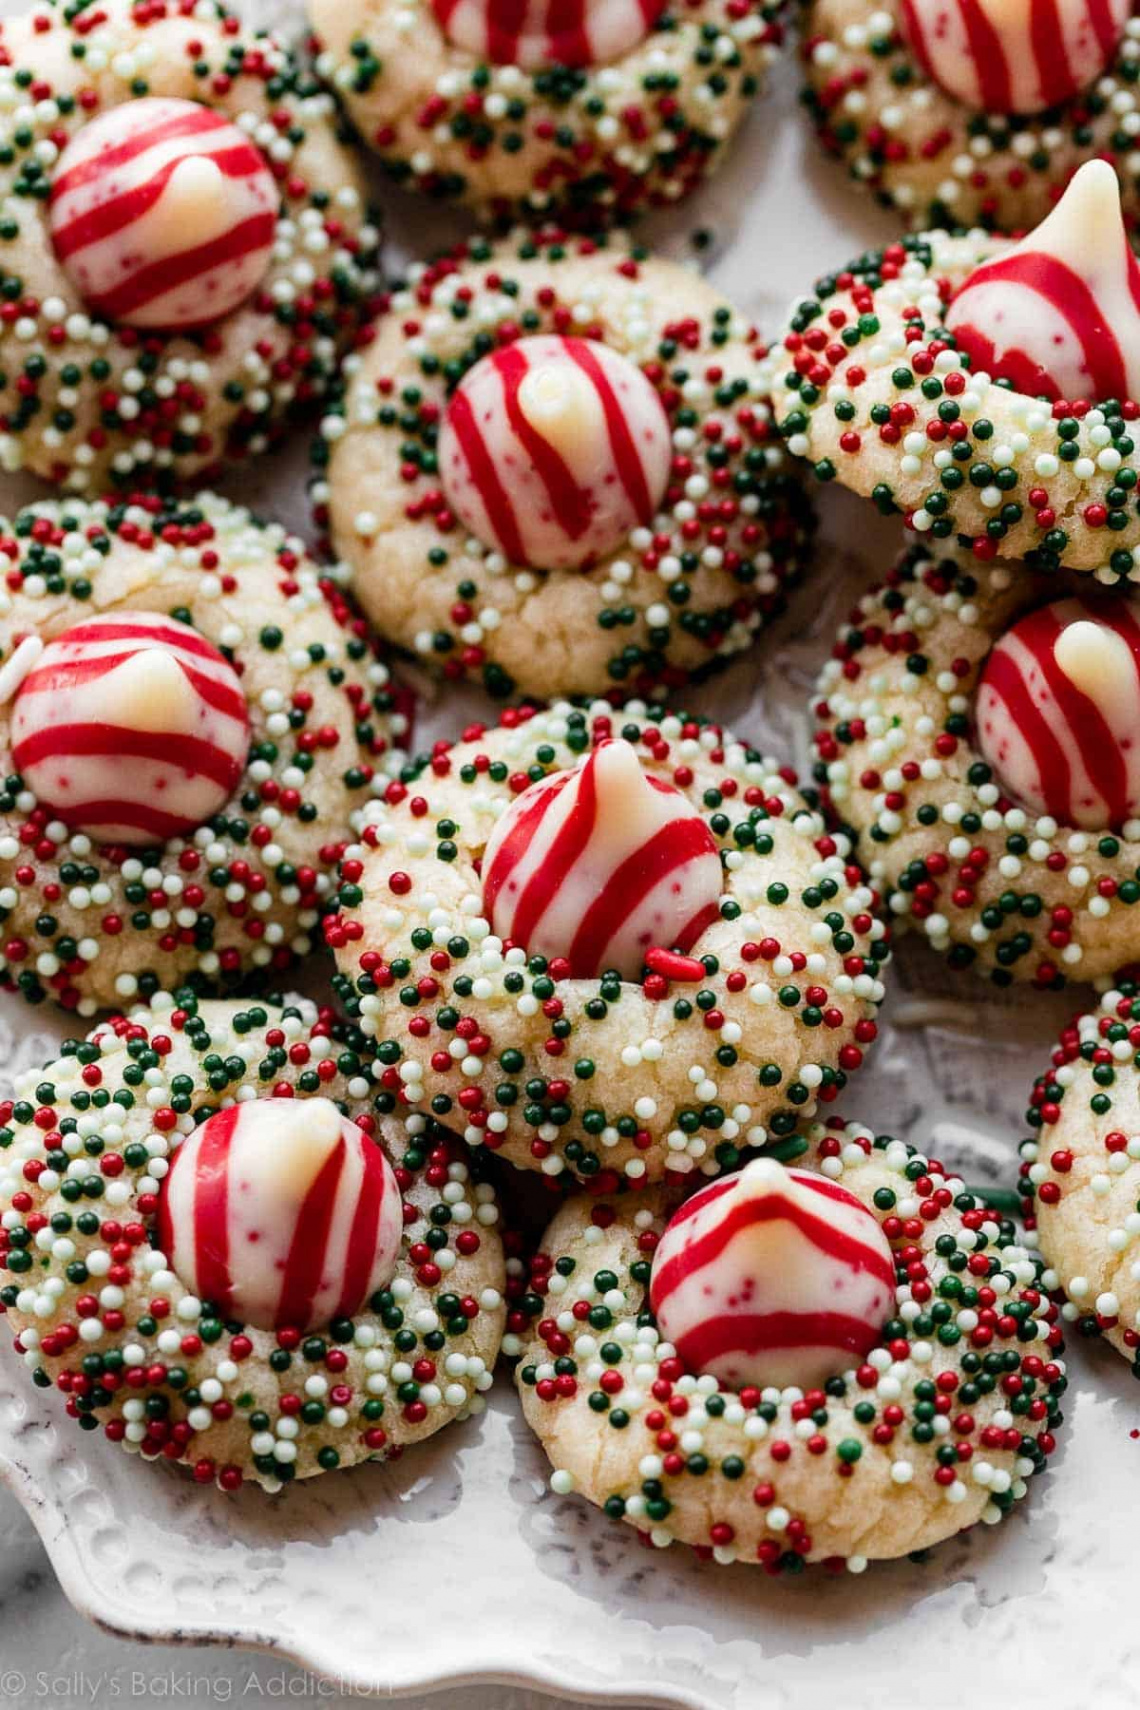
<point x="1014" y="56"/>
<point x="1059" y="313"/>
<point x="560" y="403"/>
<point x="535" y="34"/>
<point x="149" y="691"/>
<point x="553" y="449"/>
<point x="131" y="727"/>
<point x="16" y="667"/>
<point x="1058" y="712"/>
<point x="195" y="204"/>
<point x="1099" y="662"/>
<point x="599" y="865"/>
<point x="163" y="214"/>
<point x="772" y="1276"/>
<point x="280" y="1211"/>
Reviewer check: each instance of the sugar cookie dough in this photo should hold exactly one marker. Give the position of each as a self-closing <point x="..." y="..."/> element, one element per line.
<point x="531" y="932"/>
<point x="928" y="1422"/>
<point x="554" y="471"/>
<point x="597" y="110"/>
<point x="185" y="244"/>
<point x="975" y="728"/>
<point x="192" y="717"/>
<point x="333" y="1285"/>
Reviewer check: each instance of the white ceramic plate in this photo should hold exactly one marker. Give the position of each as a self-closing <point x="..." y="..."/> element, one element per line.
<point x="458" y="1564"/>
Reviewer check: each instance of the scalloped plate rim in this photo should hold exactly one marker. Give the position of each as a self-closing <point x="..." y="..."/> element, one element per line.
<point x="67" y="1564"/>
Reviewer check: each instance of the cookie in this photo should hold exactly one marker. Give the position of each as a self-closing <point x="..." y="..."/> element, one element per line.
<point x="1080" y="1173"/>
<point x="976" y="729"/>
<point x="887" y="391"/>
<point x="553" y="471"/>
<point x="534" y="931"/>
<point x="598" y="109"/>
<point x="239" y="1268"/>
<point x="840" y="1363"/>
<point x="193" y="715"/>
<point x="187" y="244"/>
<point x="973" y="115"/>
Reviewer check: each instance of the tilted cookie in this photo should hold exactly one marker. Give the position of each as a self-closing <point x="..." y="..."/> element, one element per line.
<point x="192" y="715"/>
<point x="217" y="1252"/>
<point x="976" y="726"/>
<point x="842" y="1362"/>
<point x="973" y="112"/>
<point x="619" y="944"/>
<point x="553" y="470"/>
<point x="1080" y="1170"/>
<point x="187" y="246"/>
<point x="599" y="108"/>
<point x="982" y="389"/>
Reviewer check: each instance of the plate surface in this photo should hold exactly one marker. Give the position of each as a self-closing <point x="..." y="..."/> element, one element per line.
<point x="458" y="1564"/>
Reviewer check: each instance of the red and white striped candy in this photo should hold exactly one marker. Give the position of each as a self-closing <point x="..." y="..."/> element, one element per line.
<point x="1058" y="711"/>
<point x="1014" y="56"/>
<point x="163" y="214"/>
<point x="1059" y="314"/>
<point x="131" y="727"/>
<point x="600" y="864"/>
<point x="280" y="1211"/>
<point x="553" y="449"/>
<point x="772" y="1277"/>
<point x="537" y="33"/>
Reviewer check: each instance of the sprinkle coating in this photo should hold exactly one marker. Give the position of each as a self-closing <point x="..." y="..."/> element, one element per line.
<point x="940" y="1426"/>
<point x="88" y="404"/>
<point x="730" y="535"/>
<point x="1079" y="1170"/>
<point x="721" y="1049"/>
<point x="97" y="1314"/>
<point x="599" y="140"/>
<point x="1015" y="894"/>
<point x="90" y="924"/>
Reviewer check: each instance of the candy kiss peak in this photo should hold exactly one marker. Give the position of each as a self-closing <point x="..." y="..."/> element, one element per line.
<point x="600" y="864"/>
<point x="1058" y="314"/>
<point x="559" y="403"/>
<point x="148" y="691"/>
<point x="1057" y="712"/>
<point x="772" y="1276"/>
<point x="195" y="200"/>
<point x="1099" y="662"/>
<point x="553" y="449"/>
<point x="281" y="1211"/>
<point x="131" y="727"/>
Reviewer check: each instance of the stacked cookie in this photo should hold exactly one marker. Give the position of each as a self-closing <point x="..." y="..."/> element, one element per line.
<point x="592" y="110"/>
<point x="976" y="723"/>
<point x="973" y="114"/>
<point x="554" y="470"/>
<point x="590" y="939"/>
<point x="194" y="715"/>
